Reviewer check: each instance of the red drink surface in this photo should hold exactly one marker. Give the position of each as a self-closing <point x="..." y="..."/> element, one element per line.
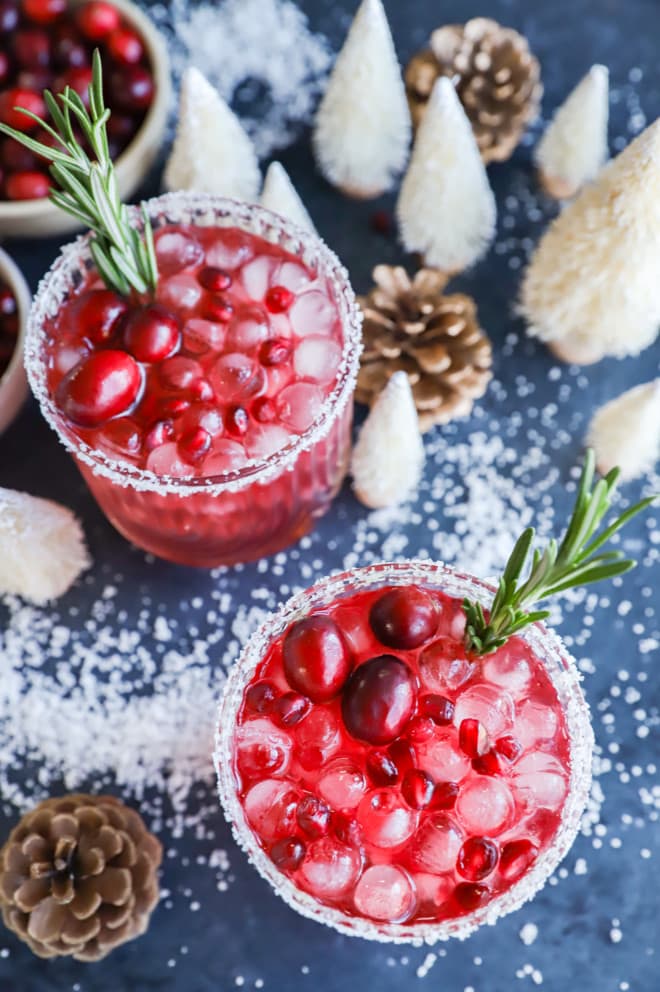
<point x="419" y="827"/>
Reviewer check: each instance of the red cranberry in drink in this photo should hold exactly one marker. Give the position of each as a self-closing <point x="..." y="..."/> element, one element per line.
<point x="470" y="896"/>
<point x="215" y="280"/>
<point x="290" y="709"/>
<point x="194" y="445"/>
<point x="402" y="754"/>
<point x="9" y="16"/>
<point x="97" y="19"/>
<point x="417" y="789"/>
<point x="237" y="421"/>
<point x="316" y="658"/>
<point x="438" y="708"/>
<point x="404" y="618"/>
<point x="378" y="700"/>
<point x="261" y="696"/>
<point x="44" y="11"/>
<point x="202" y="390"/>
<point x="509" y="747"/>
<point x="97" y="314"/>
<point x="381" y="769"/>
<point x="125" y="46"/>
<point x="472" y="738"/>
<point x="347" y="830"/>
<point x="27" y="186"/>
<point x="278" y="299"/>
<point x="516" y="857"/>
<point x="104" y="385"/>
<point x="275" y="351"/>
<point x="264" y="410"/>
<point x="445" y="795"/>
<point x="151" y="333"/>
<point x="132" y="88"/>
<point x="218" y="311"/>
<point x="477" y="858"/>
<point x="288" y="854"/>
<point x="174" y="406"/>
<point x="31" y="48"/>
<point x="313" y="816"/>
<point x="488" y="763"/>
<point x="28" y="100"/>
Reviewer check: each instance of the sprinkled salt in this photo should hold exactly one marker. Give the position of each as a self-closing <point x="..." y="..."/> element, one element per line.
<point x="528" y="933"/>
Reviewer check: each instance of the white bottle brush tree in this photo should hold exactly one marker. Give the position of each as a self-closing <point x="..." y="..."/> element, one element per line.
<point x="280" y="195"/>
<point x="363" y="126"/>
<point x="446" y="208"/>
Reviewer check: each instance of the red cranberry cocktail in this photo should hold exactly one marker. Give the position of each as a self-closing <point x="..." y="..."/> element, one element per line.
<point x="211" y="421"/>
<point x="384" y="780"/>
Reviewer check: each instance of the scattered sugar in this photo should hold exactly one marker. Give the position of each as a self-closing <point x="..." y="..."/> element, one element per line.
<point x="528" y="933"/>
<point x="426" y="965"/>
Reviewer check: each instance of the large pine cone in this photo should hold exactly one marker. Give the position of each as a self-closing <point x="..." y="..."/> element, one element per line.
<point x="436" y="340"/>
<point x="78" y="876"/>
<point x="497" y="81"/>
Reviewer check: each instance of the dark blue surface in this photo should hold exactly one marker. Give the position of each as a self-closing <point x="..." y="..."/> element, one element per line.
<point x="246" y="935"/>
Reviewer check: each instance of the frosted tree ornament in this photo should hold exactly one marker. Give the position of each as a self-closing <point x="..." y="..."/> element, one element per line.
<point x="280" y="195"/>
<point x="446" y="208"/>
<point x="362" y="130"/>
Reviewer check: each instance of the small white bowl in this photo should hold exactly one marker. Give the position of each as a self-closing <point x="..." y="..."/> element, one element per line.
<point x="40" y="218"/>
<point x="13" y="384"/>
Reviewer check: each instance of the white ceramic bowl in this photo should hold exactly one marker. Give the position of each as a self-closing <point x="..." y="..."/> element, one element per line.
<point x="39" y="218"/>
<point x="13" y="384"/>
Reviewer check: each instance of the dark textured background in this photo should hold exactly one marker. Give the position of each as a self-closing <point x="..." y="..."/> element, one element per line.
<point x="247" y="935"/>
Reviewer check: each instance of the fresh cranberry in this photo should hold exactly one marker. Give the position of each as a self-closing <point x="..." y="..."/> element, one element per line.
<point x="404" y="618"/>
<point x="27" y="186"/>
<point x="445" y="795"/>
<point x="5" y="68"/>
<point x="125" y="46"/>
<point x="420" y="728"/>
<point x="8" y="305"/>
<point x="237" y="421"/>
<point x="79" y="79"/>
<point x="316" y="658"/>
<point x="288" y="854"/>
<point x="28" y="100"/>
<point x="290" y="709"/>
<point x="69" y="51"/>
<point x="9" y="16"/>
<point x="16" y="158"/>
<point x="97" y="314"/>
<point x="261" y="696"/>
<point x="402" y="754"/>
<point x="104" y="385"/>
<point x="44" y="11"/>
<point x="509" y="747"/>
<point x="470" y="896"/>
<point x="275" y="351"/>
<point x="381" y="769"/>
<point x="378" y="700"/>
<point x="313" y="816"/>
<point x="516" y="857"/>
<point x="34" y="80"/>
<point x="97" y="19"/>
<point x="174" y="406"/>
<point x="347" y="830"/>
<point x="472" y="738"/>
<point x="438" y="708"/>
<point x="278" y="299"/>
<point x="264" y="410"/>
<point x="215" y="280"/>
<point x="194" y="445"/>
<point x="32" y="48"/>
<point x="218" y="311"/>
<point x="417" y="789"/>
<point x="132" y="88"/>
<point x="488" y="763"/>
<point x="477" y="858"/>
<point x="152" y="333"/>
<point x="159" y="433"/>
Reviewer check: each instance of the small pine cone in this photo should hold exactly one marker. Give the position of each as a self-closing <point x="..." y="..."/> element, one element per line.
<point x="498" y="81"/>
<point x="436" y="340"/>
<point x="79" y="876"/>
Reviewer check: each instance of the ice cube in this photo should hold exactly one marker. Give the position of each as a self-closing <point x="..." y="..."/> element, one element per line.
<point x="330" y="868"/>
<point x="299" y="405"/>
<point x="509" y="668"/>
<point x="343" y="786"/>
<point x="540" y="780"/>
<point x="121" y="439"/>
<point x="485" y="806"/>
<point x="535" y="723"/>
<point x="262" y="748"/>
<point x="437" y="843"/>
<point x="320" y="731"/>
<point x="179" y="372"/>
<point x="293" y="276"/>
<point x="386" y="893"/>
<point x="312" y="313"/>
<point x="492" y="707"/>
<point x="386" y="820"/>
<point x="248" y="328"/>
<point x="165" y="460"/>
<point x="176" y="251"/>
<point x="180" y="292"/>
<point x="256" y="276"/>
<point x="278" y="378"/>
<point x="270" y="807"/>
<point x="264" y="441"/>
<point x="441" y="757"/>
<point x="354" y="625"/>
<point x="237" y="378"/>
<point x="232" y="249"/>
<point x="317" y="358"/>
<point x="443" y="665"/>
<point x="225" y="456"/>
<point x="208" y="417"/>
<point x="432" y="890"/>
<point x="204" y="335"/>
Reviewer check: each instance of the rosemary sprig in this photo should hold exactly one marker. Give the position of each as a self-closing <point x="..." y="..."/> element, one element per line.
<point x="578" y="560"/>
<point x="87" y="189"/>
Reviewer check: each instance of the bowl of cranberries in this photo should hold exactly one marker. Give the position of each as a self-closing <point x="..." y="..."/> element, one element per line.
<point x="14" y="306"/>
<point x="48" y="44"/>
<point x="382" y="778"/>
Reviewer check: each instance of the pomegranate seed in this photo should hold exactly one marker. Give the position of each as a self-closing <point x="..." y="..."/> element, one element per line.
<point x="288" y="854"/>
<point x="194" y="445"/>
<point x="218" y="311"/>
<point x="417" y="789"/>
<point x="488" y="763"/>
<point x="445" y="795"/>
<point x="472" y="738"/>
<point x="132" y="88"/>
<point x="9" y="15"/>
<point x="469" y="896"/>
<point x="97" y="314"/>
<point x="381" y="769"/>
<point x="264" y="410"/>
<point x="421" y="728"/>
<point x="174" y="406"/>
<point x="347" y="830"/>
<point x="261" y="696"/>
<point x="97" y="19"/>
<point x="313" y="816"/>
<point x="44" y="11"/>
<point x="237" y="421"/>
<point x="152" y="333"/>
<point x="316" y="658"/>
<point x="404" y="618"/>
<point x="215" y="280"/>
<point x="32" y="49"/>
<point x="402" y="754"/>
<point x="104" y="385"/>
<point x="378" y="700"/>
<point x="27" y="186"/>
<point x="438" y="708"/>
<point x="125" y="46"/>
<point x="509" y="747"/>
<point x="381" y="222"/>
<point x="477" y="858"/>
<point x="278" y="299"/>
<point x="276" y="351"/>
<point x="161" y="432"/>
<point x="290" y="709"/>
<point x="516" y="857"/>
<point x="20" y="97"/>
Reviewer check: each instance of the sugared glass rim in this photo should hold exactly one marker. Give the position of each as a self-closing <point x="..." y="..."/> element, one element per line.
<point x="565" y="678"/>
<point x="74" y="261"/>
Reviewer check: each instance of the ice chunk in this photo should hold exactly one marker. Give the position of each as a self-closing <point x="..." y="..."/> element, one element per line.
<point x="441" y="757"/>
<point x="317" y="358"/>
<point x="535" y="723"/>
<point x="248" y="328"/>
<point x="293" y="276"/>
<point x="319" y="732"/>
<point x="386" y="893"/>
<point x="329" y="868"/>
<point x="264" y="441"/>
<point x="540" y="780"/>
<point x="232" y="249"/>
<point x="485" y="806"/>
<point x="181" y="292"/>
<point x="312" y="313"/>
<point x="68" y="354"/>
<point x="492" y="707"/>
<point x="237" y="378"/>
<point x="433" y="890"/>
<point x="176" y="251"/>
<point x="509" y="667"/>
<point x="270" y="807"/>
<point x="225" y="456"/>
<point x="165" y="460"/>
<point x="386" y="820"/>
<point x="262" y="748"/>
<point x="299" y="405"/>
<point x="354" y="624"/>
<point x="257" y="276"/>
<point x="204" y="335"/>
<point x="437" y="843"/>
<point x="342" y="786"/>
<point x="443" y="665"/>
<point x="180" y="372"/>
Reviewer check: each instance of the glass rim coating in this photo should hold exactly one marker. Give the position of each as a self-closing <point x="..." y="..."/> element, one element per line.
<point x="179" y="208"/>
<point x="565" y="678"/>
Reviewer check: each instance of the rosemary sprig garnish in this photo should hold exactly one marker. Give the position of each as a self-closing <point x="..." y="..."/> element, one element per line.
<point x="578" y="560"/>
<point x="86" y="187"/>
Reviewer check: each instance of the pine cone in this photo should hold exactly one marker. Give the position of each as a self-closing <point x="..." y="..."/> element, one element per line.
<point x="498" y="81"/>
<point x="436" y="340"/>
<point x="78" y="876"/>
